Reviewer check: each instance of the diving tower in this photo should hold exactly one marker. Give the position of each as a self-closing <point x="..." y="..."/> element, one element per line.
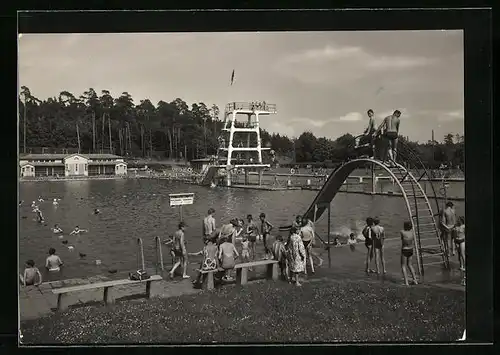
<point x="243" y="137"/>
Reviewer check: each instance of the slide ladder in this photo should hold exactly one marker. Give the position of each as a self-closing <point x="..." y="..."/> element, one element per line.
<point x="428" y="243"/>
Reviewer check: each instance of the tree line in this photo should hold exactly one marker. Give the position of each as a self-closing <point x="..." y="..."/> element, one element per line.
<point x="95" y="122"/>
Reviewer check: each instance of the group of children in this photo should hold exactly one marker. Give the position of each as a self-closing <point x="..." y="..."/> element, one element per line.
<point x="220" y="250"/>
<point x="32" y="275"/>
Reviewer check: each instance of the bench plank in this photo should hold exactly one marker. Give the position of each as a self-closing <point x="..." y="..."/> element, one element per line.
<point x="255" y="263"/>
<point x="103" y="285"/>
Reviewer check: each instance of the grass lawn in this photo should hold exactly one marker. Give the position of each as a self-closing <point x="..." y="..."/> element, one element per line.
<point x="323" y="311"/>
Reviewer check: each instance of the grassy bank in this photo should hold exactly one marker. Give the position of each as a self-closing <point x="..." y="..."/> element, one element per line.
<point x="322" y="311"/>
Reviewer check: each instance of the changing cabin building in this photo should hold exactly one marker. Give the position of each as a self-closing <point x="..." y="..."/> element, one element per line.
<point x="68" y="165"/>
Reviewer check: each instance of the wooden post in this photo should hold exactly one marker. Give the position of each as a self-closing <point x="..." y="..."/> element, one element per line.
<point x="180" y="209"/>
<point x="108" y="296"/>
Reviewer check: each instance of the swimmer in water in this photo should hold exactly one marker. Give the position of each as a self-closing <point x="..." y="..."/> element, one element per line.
<point x="57" y="229"/>
<point x="55" y="203"/>
<point x="96" y="211"/>
<point x="39" y="215"/>
<point x="40" y="199"/>
<point x="77" y="230"/>
<point x="33" y="204"/>
<point x="53" y="262"/>
<point x="21" y="202"/>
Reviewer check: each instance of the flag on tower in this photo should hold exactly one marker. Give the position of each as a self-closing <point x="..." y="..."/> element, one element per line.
<point x="232" y="77"/>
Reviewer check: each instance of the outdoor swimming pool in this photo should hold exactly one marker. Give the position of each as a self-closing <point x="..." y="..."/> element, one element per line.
<point x="132" y="208"/>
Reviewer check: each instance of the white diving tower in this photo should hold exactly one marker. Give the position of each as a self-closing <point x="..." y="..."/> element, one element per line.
<point x="243" y="137"/>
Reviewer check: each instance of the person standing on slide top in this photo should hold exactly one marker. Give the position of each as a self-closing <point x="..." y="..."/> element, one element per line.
<point x="390" y="131"/>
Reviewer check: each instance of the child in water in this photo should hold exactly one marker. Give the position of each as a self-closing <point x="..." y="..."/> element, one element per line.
<point x="209" y="261"/>
<point x="227" y="253"/>
<point x="352" y="241"/>
<point x="57" y="229"/>
<point x="30" y="274"/>
<point x="77" y="230"/>
<point x="53" y="262"/>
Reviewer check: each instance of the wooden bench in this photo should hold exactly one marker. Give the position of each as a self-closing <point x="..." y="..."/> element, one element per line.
<point x="241" y="272"/>
<point x="107" y="286"/>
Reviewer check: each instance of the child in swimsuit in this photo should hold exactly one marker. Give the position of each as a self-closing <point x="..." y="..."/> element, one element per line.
<point x="252" y="231"/>
<point x="279" y="254"/>
<point x="209" y="261"/>
<point x="352" y="241"/>
<point x="378" y="235"/>
<point x="459" y="240"/>
<point x="53" y="262"/>
<point x="367" y="233"/>
<point x="227" y="254"/>
<point x="30" y="274"/>
<point x="245" y="249"/>
<point x="407" y="238"/>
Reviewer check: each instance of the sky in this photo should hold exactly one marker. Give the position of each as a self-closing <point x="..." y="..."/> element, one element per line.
<point x="322" y="82"/>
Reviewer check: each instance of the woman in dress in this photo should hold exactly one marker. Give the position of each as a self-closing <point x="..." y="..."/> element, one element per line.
<point x="297" y="255"/>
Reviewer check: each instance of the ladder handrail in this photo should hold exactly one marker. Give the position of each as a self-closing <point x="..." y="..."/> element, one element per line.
<point x="159" y="252"/>
<point x="141" y="248"/>
<point x="410" y="153"/>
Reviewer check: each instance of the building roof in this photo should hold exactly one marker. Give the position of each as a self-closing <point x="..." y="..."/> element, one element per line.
<point x="42" y="163"/>
<point x="64" y="156"/>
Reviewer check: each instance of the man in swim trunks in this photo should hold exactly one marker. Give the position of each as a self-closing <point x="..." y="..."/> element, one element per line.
<point x="447" y="224"/>
<point x="180" y="252"/>
<point x="407" y="238"/>
<point x="209" y="224"/>
<point x="390" y="131"/>
<point x="369" y="132"/>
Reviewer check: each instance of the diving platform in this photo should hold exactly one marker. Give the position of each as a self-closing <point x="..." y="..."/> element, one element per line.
<point x="243" y="137"/>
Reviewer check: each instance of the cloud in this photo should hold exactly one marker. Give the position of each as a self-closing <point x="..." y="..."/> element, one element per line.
<point x="308" y="121"/>
<point x="334" y="64"/>
<point x="350" y="117"/>
<point x="451" y="116"/>
<point x="327" y="53"/>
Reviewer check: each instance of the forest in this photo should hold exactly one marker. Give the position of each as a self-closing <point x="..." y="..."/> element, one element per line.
<point x="93" y="123"/>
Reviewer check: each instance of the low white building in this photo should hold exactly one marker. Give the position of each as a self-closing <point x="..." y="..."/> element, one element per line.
<point x="71" y="165"/>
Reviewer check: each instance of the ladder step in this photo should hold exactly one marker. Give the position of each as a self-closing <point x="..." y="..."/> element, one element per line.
<point x="430" y="246"/>
<point x="430" y="255"/>
<point x="434" y="263"/>
<point x="427" y="239"/>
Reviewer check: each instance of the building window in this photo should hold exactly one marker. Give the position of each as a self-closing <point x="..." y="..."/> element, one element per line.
<point x="76" y="167"/>
<point x="32" y="169"/>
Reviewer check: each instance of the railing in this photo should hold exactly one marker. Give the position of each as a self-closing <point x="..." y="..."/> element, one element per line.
<point x="159" y="254"/>
<point x="252" y="106"/>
